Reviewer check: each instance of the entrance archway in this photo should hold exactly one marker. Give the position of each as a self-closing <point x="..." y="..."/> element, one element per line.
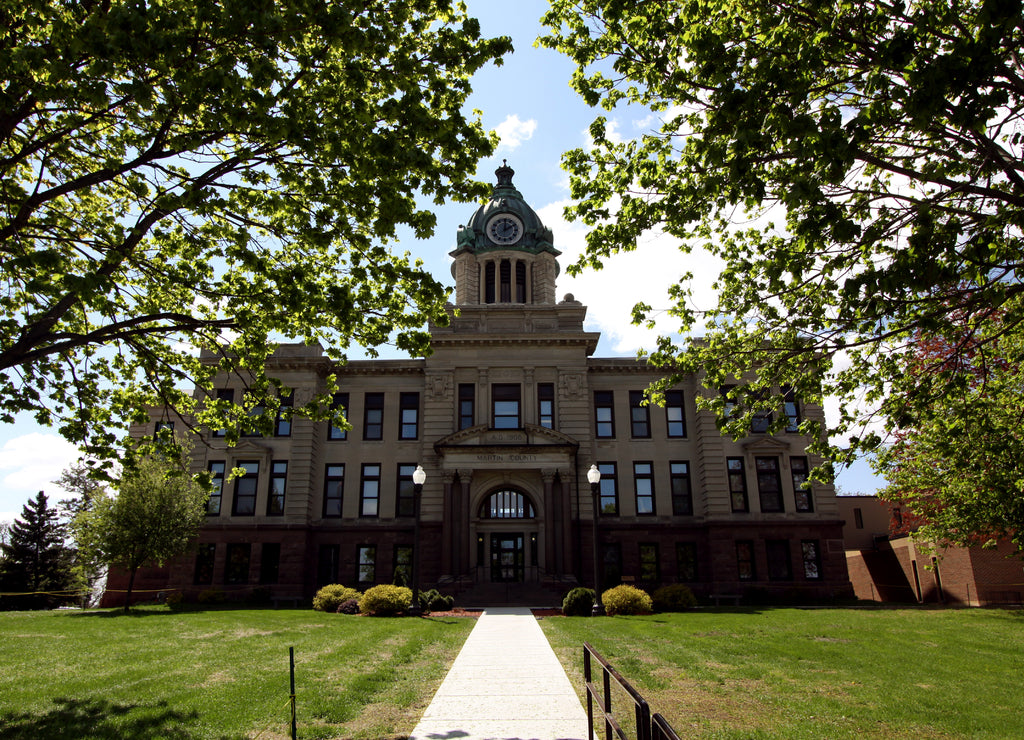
<point x="508" y="517"/>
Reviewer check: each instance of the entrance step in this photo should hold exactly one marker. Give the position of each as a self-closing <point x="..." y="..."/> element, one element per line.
<point x="511" y="594"/>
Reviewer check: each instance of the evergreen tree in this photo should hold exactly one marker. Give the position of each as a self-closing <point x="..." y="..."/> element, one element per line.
<point x="35" y="560"/>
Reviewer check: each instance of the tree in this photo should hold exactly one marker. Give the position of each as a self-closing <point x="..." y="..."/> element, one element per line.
<point x="857" y="166"/>
<point x="957" y="474"/>
<point x="155" y="516"/>
<point x="194" y="174"/>
<point x="79" y="480"/>
<point x="36" y="565"/>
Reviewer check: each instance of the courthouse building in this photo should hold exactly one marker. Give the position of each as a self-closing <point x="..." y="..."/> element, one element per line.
<point x="506" y="417"/>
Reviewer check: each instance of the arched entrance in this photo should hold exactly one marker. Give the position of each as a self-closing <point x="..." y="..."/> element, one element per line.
<point x="508" y="530"/>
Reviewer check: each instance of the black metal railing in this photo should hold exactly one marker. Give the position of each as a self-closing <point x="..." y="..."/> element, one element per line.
<point x="648" y="727"/>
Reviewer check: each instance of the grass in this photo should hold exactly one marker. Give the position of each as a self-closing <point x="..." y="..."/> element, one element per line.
<point x="219" y="674"/>
<point x="829" y="673"/>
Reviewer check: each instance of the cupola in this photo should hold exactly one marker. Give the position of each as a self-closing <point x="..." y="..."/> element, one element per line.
<point x="504" y="254"/>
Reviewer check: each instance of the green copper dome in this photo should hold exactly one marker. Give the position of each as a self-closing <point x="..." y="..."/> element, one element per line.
<point x="506" y="221"/>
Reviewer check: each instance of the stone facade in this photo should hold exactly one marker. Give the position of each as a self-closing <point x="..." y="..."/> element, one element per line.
<point x="506" y="417"/>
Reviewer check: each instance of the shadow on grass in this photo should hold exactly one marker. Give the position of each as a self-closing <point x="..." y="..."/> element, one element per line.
<point x="71" y="719"/>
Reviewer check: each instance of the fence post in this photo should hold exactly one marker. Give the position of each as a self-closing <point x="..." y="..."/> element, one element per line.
<point x="291" y="665"/>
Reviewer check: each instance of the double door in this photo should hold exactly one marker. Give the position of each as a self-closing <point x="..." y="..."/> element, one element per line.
<point x="508" y="560"/>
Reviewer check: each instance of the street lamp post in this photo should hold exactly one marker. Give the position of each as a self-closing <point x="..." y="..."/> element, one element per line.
<point x="419" y="477"/>
<point x="594" y="477"/>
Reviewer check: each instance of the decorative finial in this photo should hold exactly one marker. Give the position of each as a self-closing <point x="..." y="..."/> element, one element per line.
<point x="504" y="174"/>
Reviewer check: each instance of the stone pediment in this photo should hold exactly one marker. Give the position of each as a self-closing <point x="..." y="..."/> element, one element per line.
<point x="767" y="445"/>
<point x="483" y="437"/>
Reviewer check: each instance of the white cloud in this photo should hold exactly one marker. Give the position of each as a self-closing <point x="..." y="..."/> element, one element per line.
<point x="628" y="278"/>
<point x="514" y="132"/>
<point x="31" y="463"/>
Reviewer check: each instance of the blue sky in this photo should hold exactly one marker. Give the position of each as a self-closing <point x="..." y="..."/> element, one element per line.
<point x="529" y="102"/>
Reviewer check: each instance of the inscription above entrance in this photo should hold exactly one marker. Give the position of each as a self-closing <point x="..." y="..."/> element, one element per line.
<point x="505" y="436"/>
<point x="507" y="458"/>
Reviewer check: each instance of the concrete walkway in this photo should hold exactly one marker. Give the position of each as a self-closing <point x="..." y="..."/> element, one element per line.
<point x="505" y="684"/>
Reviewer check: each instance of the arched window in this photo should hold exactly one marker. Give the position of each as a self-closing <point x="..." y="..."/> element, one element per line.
<point x="507" y="505"/>
<point x="489" y="283"/>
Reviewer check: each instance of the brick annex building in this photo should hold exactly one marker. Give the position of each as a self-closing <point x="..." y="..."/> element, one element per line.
<point x="506" y="417"/>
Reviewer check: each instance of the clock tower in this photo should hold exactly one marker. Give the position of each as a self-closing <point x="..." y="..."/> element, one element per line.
<point x="505" y="255"/>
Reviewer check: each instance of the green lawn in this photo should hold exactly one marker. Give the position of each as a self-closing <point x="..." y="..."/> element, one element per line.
<point x="829" y="673"/>
<point x="217" y="674"/>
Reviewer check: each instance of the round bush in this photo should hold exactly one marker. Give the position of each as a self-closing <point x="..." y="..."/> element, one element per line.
<point x="626" y="600"/>
<point x="578" y="603"/>
<point x="386" y="600"/>
<point x="674" y="598"/>
<point x="349" y="607"/>
<point x="331" y="596"/>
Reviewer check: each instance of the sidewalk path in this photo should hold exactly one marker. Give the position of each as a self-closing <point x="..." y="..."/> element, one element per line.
<point x="505" y="684"/>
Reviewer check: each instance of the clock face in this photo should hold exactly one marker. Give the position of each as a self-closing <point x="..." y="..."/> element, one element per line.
<point x="505" y="229"/>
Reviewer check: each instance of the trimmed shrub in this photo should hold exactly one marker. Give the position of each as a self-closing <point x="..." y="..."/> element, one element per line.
<point x="331" y="596"/>
<point x="578" y="603"/>
<point x="626" y="600"/>
<point x="212" y="596"/>
<point x="175" y="600"/>
<point x="349" y="607"/>
<point x="673" y="598"/>
<point x="441" y="603"/>
<point x="426" y="597"/>
<point x="386" y="600"/>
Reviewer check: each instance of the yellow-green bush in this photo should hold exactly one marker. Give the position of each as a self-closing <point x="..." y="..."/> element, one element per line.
<point x="626" y="600"/>
<point x="386" y="600"/>
<point x="333" y="595"/>
<point x="673" y="598"/>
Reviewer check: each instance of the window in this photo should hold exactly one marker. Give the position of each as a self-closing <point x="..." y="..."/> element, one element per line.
<point x="217" y="494"/>
<point x="649" y="571"/>
<point x="278" y="481"/>
<point x="745" y="560"/>
<point x="858" y="518"/>
<point x="334" y="485"/>
<point x="780" y="567"/>
<point x="604" y="415"/>
<point x="467" y="405"/>
<point x="812" y="559"/>
<point x="236" y="569"/>
<point x="283" y="423"/>
<point x="204" y="563"/>
<point x="366" y="564"/>
<point x="675" y="419"/>
<point x="270" y="562"/>
<point x="791" y="408"/>
<point x="489" y="283"/>
<point x="245" y="489"/>
<point x="373" y="416"/>
<point x="682" y="499"/>
<point x="686" y="561"/>
<point x="769" y="484"/>
<point x="224" y="394"/>
<point x="801" y="493"/>
<point x="340" y="402"/>
<point x="505" y="272"/>
<point x="409" y="415"/>
<point x="253" y="423"/>
<point x="546" y="405"/>
<point x="161" y="426"/>
<point x="369" y="490"/>
<point x="520" y="281"/>
<point x="507" y="505"/>
<point x="639" y="415"/>
<point x="611" y="564"/>
<point x="405" y="496"/>
<point x="403" y="564"/>
<point x="737" y="484"/>
<point x="327" y="565"/>
<point x="609" y="490"/>
<point x="643" y="484"/>
<point x="729" y="397"/>
<point x="505" y="403"/>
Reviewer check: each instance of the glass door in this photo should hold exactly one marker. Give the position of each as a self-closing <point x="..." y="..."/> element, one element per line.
<point x="507" y="558"/>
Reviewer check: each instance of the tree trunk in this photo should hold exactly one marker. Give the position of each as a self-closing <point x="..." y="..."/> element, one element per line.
<point x="128" y="591"/>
